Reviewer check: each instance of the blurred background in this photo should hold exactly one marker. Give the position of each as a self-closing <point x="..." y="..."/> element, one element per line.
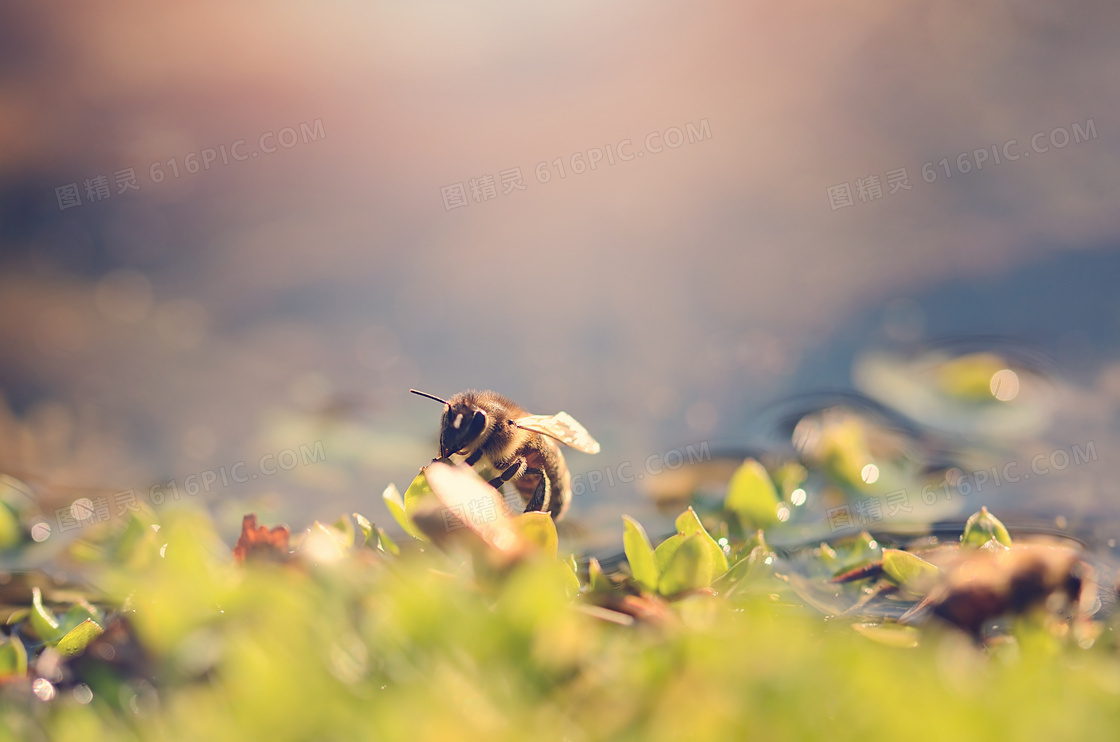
<point x="228" y="233"/>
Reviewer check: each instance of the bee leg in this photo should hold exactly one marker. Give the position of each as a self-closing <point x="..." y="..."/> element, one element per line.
<point x="515" y="469"/>
<point x="542" y="495"/>
<point x="474" y="457"/>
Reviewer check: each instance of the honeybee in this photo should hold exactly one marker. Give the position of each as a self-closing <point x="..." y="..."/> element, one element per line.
<point x="494" y="430"/>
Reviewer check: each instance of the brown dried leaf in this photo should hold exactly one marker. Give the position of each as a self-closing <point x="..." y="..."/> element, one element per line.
<point x="259" y="542"/>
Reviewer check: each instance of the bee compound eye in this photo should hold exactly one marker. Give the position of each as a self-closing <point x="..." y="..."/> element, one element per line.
<point x="478" y="424"/>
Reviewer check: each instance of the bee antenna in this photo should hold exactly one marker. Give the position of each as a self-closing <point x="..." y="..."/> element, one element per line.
<point x="429" y="396"/>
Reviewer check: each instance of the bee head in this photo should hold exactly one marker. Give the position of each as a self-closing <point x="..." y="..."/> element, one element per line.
<point x="463" y="424"/>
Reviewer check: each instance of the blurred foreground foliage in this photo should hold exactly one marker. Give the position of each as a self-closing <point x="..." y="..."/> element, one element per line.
<point x="487" y="630"/>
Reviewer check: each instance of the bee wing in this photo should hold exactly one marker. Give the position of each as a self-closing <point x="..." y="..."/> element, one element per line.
<point x="563" y="427"/>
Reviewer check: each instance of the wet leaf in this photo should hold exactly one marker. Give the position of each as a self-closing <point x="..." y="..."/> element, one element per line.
<point x="749" y="570"/>
<point x="852" y="552"/>
<point x="688" y="524"/>
<point x="982" y="527"/>
<point x="79" y="637"/>
<point x="639" y="554"/>
<point x="752" y="497"/>
<point x="909" y="570"/>
<point x="76" y="614"/>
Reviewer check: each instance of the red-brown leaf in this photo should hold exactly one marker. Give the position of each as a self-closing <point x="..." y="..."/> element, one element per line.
<point x="258" y="542"/>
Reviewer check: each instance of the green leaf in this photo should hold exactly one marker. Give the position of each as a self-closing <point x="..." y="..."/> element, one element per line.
<point x="788" y="477"/>
<point x="369" y="534"/>
<point x="387" y="544"/>
<point x="11" y="533"/>
<point x="639" y="553"/>
<point x="42" y="620"/>
<point x="568" y="577"/>
<point x="345" y="526"/>
<point x="909" y="570"/>
<point x="664" y="552"/>
<point x="851" y="552"/>
<point x="982" y="527"/>
<point x="138" y="543"/>
<point x="749" y="569"/>
<point x="538" y="527"/>
<point x="889" y="633"/>
<point x="19" y="615"/>
<point x="397" y="508"/>
<point x="79" y="612"/>
<point x="752" y="497"/>
<point x="596" y="579"/>
<point x="689" y="568"/>
<point x="417" y="492"/>
<point x="13" y="657"/>
<point x="374" y="537"/>
<point x="78" y="638"/>
<point x="969" y="377"/>
<point x="688" y="524"/>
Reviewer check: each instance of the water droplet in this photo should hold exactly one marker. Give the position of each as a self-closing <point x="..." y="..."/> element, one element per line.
<point x="43" y="689"/>
<point x="82" y="693"/>
<point x="1005" y="385"/>
<point x="41" y="531"/>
